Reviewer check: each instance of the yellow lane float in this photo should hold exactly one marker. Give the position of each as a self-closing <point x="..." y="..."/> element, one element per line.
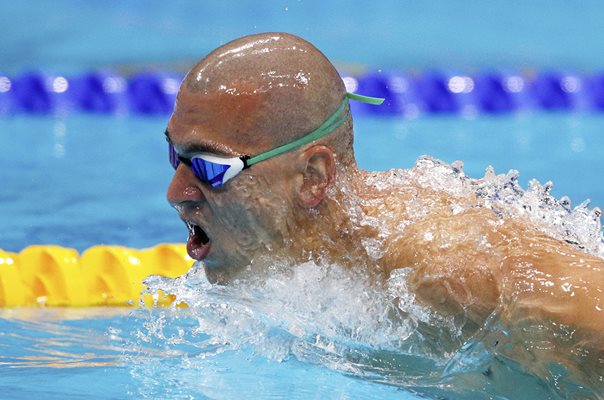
<point x="100" y="276"/>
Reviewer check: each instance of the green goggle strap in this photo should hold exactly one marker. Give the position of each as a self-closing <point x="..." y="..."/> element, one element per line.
<point x="330" y="125"/>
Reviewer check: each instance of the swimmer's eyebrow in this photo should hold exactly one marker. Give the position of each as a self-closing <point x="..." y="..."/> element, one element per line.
<point x="207" y="147"/>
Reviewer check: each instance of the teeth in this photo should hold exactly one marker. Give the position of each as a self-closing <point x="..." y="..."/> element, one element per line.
<point x="196" y="231"/>
<point x="190" y="227"/>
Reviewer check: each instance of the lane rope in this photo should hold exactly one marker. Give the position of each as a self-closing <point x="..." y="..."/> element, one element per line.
<point x="407" y="94"/>
<point x="101" y="276"/>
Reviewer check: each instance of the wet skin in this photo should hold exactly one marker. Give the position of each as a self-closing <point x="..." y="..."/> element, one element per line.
<point x="262" y="91"/>
<point x="232" y="217"/>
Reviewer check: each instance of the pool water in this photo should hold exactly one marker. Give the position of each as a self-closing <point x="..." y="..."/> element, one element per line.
<point x="64" y="187"/>
<point x="79" y="180"/>
<point x="82" y="180"/>
<point x="94" y="354"/>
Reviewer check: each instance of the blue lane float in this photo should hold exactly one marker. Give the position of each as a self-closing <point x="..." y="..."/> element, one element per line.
<point x="407" y="94"/>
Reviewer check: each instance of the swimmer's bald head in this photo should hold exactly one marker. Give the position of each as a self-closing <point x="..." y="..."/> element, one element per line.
<point x="260" y="91"/>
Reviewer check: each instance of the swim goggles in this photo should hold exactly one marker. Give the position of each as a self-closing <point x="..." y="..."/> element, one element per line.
<point x="217" y="170"/>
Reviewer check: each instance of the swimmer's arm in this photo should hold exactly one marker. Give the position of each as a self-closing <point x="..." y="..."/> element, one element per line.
<point x="470" y="264"/>
<point x="541" y="297"/>
<point x="452" y="264"/>
<point x="551" y="306"/>
<point x="553" y="282"/>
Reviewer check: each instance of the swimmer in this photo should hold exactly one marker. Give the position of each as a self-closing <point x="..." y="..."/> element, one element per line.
<point x="242" y="196"/>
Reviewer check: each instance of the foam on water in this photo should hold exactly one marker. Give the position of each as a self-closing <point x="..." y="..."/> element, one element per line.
<point x="503" y="194"/>
<point x="306" y="307"/>
<point x="340" y="318"/>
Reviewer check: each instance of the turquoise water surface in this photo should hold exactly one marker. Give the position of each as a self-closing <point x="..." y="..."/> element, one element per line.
<point x="63" y="190"/>
<point x="77" y="180"/>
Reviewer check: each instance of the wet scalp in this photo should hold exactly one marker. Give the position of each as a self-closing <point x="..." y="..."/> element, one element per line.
<point x="277" y="85"/>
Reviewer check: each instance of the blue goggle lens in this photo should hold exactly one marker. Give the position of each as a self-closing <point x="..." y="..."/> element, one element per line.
<point x="209" y="172"/>
<point x="174" y="161"/>
<point x="205" y="171"/>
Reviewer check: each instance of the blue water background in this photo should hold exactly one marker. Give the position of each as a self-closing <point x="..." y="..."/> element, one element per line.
<point x="80" y="180"/>
<point x="84" y="180"/>
<point x="76" y="35"/>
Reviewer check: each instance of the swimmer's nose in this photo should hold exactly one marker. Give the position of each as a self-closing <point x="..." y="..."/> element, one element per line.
<point x="184" y="188"/>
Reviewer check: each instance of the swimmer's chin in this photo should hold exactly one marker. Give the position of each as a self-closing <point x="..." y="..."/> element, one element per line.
<point x="257" y="269"/>
<point x="219" y="273"/>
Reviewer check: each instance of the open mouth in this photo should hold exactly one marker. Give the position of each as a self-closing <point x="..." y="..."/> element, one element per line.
<point x="198" y="244"/>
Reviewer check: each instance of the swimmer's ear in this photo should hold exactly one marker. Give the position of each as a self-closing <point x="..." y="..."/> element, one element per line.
<point x="316" y="174"/>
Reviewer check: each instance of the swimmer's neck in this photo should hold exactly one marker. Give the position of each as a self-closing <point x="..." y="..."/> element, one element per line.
<point x="336" y="230"/>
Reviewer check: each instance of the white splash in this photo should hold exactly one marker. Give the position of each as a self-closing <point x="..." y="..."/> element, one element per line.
<point x="502" y="193"/>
